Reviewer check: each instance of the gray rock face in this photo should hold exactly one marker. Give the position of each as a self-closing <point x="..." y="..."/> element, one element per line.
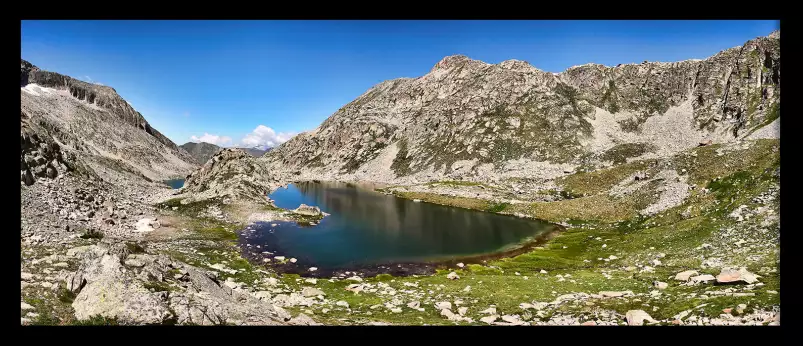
<point x="70" y="125"/>
<point x="108" y="291"/>
<point x="103" y="96"/>
<point x="108" y="288"/>
<point x="465" y="110"/>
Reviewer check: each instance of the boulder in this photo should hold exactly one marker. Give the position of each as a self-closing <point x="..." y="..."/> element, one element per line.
<point x="615" y="294"/>
<point x="307" y="210"/>
<point x="489" y="319"/>
<point x="701" y="279"/>
<point x="730" y="275"/>
<point x="637" y="317"/>
<point x="686" y="275"/>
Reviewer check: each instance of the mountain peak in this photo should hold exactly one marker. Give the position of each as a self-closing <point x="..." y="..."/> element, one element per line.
<point x="775" y="34"/>
<point x="451" y="61"/>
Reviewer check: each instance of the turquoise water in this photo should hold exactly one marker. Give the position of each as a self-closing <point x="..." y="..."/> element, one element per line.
<point x="366" y="227"/>
<point x="175" y="183"/>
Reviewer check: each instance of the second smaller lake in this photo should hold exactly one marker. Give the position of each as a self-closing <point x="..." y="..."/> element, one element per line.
<point x="175" y="183"/>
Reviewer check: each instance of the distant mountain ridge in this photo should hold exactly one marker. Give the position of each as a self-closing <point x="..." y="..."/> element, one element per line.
<point x="203" y="151"/>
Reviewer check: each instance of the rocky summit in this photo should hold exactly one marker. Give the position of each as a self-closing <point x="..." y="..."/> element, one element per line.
<point x="470" y="120"/>
<point x="663" y="177"/>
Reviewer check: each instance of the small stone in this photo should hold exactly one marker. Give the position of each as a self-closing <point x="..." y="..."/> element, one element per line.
<point x="262" y="295"/>
<point x="26" y="306"/>
<point x="311" y="281"/>
<point x="356" y="288"/>
<point x="312" y="292"/>
<point x="489" y="319"/>
<point x="452" y="276"/>
<point x="462" y="310"/>
<point x="279" y="258"/>
<point x="467" y="289"/>
<point x="615" y="294"/>
<point x="660" y="285"/>
<point x="543" y="271"/>
<point x="342" y="303"/>
<point x="489" y="311"/>
<point x="293" y="260"/>
<point x="702" y="278"/>
<point x="312" y="269"/>
<point x="443" y="305"/>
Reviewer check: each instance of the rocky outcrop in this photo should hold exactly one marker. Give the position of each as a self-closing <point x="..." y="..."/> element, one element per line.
<point x="307" y="210"/>
<point x="41" y="156"/>
<point x="467" y="118"/>
<point x="154" y="289"/>
<point x="231" y="172"/>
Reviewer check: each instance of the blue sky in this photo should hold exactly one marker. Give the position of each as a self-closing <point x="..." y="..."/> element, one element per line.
<point x="228" y="78"/>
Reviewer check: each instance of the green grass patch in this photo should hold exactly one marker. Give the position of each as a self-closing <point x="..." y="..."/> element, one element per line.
<point x="590" y="183"/>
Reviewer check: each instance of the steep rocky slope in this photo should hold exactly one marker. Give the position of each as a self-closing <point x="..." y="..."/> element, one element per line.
<point x="91" y="167"/>
<point x="97" y="125"/>
<point x="473" y="120"/>
<point x="201" y="151"/>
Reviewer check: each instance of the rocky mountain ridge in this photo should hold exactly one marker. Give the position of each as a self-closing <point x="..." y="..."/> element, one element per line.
<point x="92" y="124"/>
<point x="473" y="120"/>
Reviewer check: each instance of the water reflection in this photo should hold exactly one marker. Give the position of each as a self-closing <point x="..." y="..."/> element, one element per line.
<point x="366" y="227"/>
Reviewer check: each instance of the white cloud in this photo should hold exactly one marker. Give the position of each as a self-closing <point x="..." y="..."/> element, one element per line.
<point x="265" y="137"/>
<point x="213" y="139"/>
